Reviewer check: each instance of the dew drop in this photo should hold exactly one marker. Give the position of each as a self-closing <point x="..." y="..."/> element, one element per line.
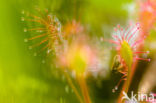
<point x="116" y="88"/>
<point x="25" y="40"/>
<point x="22" y="19"/>
<point x="113" y="90"/>
<point x="25" y="30"/>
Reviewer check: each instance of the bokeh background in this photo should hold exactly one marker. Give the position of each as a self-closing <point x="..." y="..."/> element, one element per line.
<point x="25" y="78"/>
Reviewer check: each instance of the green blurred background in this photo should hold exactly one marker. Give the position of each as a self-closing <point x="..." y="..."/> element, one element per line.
<point x="24" y="78"/>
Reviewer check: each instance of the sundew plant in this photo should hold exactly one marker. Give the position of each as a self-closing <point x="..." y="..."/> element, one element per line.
<point x="78" y="51"/>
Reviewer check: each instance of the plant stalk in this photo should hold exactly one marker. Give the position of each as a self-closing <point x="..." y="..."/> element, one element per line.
<point x="83" y="87"/>
<point x="73" y="87"/>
